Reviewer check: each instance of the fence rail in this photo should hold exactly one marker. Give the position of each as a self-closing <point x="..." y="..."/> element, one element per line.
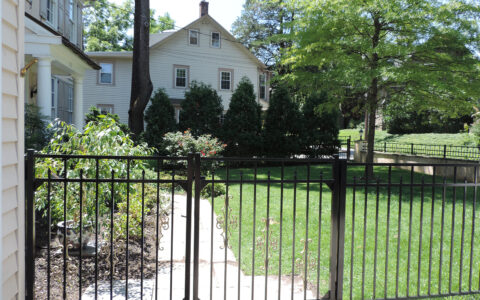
<point x="442" y="151"/>
<point x="251" y="228"/>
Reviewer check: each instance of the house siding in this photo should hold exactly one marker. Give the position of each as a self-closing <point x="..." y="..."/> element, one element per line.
<point x="12" y="203"/>
<point x="204" y="64"/>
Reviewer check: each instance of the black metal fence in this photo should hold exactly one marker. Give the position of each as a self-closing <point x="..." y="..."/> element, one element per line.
<point x="441" y="151"/>
<point x="220" y="228"/>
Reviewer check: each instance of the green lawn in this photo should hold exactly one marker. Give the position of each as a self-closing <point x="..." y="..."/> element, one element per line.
<point x="321" y="207"/>
<point x="454" y="139"/>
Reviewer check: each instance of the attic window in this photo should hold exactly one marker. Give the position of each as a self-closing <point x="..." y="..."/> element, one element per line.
<point x="215" y="40"/>
<point x="193" y="37"/>
<point x="106" y="73"/>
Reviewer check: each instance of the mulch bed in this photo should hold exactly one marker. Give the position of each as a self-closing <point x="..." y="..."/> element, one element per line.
<point x="88" y="263"/>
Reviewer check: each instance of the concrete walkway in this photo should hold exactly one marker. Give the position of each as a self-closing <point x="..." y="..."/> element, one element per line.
<point x="216" y="268"/>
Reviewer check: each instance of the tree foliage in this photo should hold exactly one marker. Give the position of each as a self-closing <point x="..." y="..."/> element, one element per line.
<point x="260" y="21"/>
<point x="159" y="118"/>
<point x="161" y="23"/>
<point x="201" y="110"/>
<point x="320" y="125"/>
<point x="107" y="26"/>
<point x="96" y="116"/>
<point x="281" y="134"/>
<point x="243" y="122"/>
<point x="388" y="50"/>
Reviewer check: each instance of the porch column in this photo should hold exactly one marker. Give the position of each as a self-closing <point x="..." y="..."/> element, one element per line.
<point x="44" y="86"/>
<point x="78" y="115"/>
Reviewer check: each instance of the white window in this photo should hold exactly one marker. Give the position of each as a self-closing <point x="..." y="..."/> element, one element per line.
<point x="193" y="37"/>
<point x="50" y="11"/>
<point x="181" y="77"/>
<point x="215" y="40"/>
<point x="262" y="86"/>
<point x="105" y="108"/>
<point x="70" y="105"/>
<point x="106" y="73"/>
<point x="70" y="9"/>
<point x="225" y="80"/>
<point x="54" y="100"/>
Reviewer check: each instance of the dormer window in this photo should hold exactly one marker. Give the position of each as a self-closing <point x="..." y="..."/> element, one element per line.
<point x="193" y="37"/>
<point x="215" y="43"/>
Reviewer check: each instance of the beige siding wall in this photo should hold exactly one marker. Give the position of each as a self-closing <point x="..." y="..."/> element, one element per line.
<point x="203" y="61"/>
<point x="12" y="151"/>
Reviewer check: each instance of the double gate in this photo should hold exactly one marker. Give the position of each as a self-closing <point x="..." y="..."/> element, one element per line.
<point x="246" y="228"/>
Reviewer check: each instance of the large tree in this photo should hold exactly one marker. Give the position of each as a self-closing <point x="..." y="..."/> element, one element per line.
<point x="388" y="50"/>
<point x="261" y="27"/>
<point x="161" y="23"/>
<point x="142" y="86"/>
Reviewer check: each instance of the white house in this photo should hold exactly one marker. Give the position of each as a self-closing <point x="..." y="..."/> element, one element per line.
<point x="12" y="266"/>
<point x="55" y="57"/>
<point x="202" y="51"/>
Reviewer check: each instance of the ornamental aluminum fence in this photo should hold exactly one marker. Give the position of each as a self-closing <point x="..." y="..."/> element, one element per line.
<point x="441" y="151"/>
<point x="248" y="228"/>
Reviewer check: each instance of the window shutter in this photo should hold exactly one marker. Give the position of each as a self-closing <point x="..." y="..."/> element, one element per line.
<point x="43" y="9"/>
<point x="79" y="26"/>
<point x="61" y="16"/>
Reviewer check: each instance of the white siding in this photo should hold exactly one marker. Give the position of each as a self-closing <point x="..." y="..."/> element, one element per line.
<point x="203" y="61"/>
<point x="12" y="204"/>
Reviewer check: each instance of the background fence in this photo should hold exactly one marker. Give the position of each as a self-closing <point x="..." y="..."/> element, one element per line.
<point x="441" y="151"/>
<point x="222" y="228"/>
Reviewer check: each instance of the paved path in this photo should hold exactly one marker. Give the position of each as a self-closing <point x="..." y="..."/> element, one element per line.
<point x="217" y="268"/>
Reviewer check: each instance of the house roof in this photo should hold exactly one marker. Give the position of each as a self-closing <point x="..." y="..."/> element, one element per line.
<point x="66" y="43"/>
<point x="159" y="39"/>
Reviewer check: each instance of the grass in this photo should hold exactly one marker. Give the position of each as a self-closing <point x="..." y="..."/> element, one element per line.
<point x="250" y="249"/>
<point x="454" y="139"/>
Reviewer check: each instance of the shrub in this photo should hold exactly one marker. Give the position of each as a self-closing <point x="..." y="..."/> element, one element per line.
<point x="405" y="118"/>
<point x="320" y="125"/>
<point x="36" y="133"/>
<point x="201" y="110"/>
<point x="281" y="134"/>
<point x="159" y="118"/>
<point x="94" y="114"/>
<point x="243" y="123"/>
<point x="184" y="143"/>
<point x="101" y="137"/>
<point x="219" y="189"/>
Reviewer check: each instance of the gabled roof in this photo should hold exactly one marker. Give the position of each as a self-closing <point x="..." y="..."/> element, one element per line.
<point x="159" y="39"/>
<point x="225" y="33"/>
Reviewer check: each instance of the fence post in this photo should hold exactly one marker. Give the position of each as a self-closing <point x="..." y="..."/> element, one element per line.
<point x="337" y="224"/>
<point x="196" y="226"/>
<point x="188" y="234"/>
<point x="384" y="147"/>
<point x="411" y="149"/>
<point x="349" y="147"/>
<point x="444" y="151"/>
<point x="30" y="225"/>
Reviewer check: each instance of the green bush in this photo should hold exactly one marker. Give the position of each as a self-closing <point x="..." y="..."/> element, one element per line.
<point x="242" y="127"/>
<point x="94" y="114"/>
<point x="281" y="134"/>
<point x="201" y="110"/>
<point x="405" y="118"/>
<point x="36" y="133"/>
<point x="219" y="189"/>
<point x="160" y="119"/>
<point x="320" y="126"/>
<point x="101" y="137"/>
<point x="183" y="143"/>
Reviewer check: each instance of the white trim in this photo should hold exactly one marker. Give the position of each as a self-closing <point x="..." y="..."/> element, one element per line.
<point x="1" y="155"/>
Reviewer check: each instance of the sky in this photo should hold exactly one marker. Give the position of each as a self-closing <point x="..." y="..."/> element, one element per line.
<point x="184" y="12"/>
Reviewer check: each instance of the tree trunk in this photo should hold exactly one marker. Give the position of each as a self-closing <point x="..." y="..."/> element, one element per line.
<point x="141" y="83"/>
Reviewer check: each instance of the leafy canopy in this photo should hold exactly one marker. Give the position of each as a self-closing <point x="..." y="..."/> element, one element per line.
<point x="108" y="27"/>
